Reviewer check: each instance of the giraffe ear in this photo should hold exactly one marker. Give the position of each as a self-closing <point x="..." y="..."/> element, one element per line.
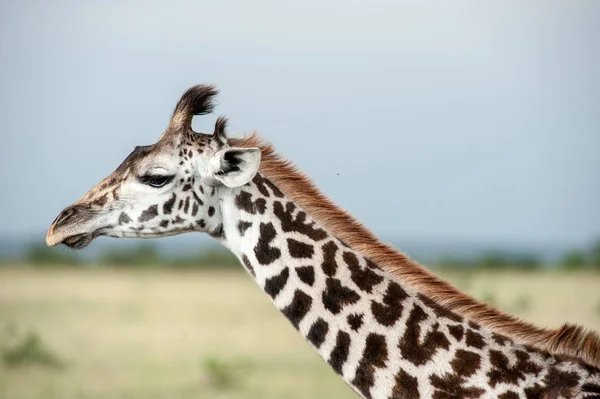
<point x="235" y="166"/>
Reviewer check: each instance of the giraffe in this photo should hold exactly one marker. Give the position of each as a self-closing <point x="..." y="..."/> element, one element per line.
<point x="386" y="325"/>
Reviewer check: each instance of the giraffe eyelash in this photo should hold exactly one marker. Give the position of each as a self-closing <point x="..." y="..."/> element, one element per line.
<point x="156" y="181"/>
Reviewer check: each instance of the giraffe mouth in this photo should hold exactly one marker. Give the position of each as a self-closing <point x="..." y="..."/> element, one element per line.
<point x="78" y="241"/>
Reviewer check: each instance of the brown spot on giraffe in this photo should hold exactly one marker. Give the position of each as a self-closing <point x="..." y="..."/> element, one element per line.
<point x="406" y="386"/>
<point x="299" y="249"/>
<point x="299" y="307"/>
<point x="355" y="321"/>
<point x="509" y="395"/>
<point x="186" y="207"/>
<point x="262" y="185"/>
<point x="265" y="254"/>
<point x="364" y="278"/>
<point x="457" y="331"/>
<point x="420" y="351"/>
<point x="450" y="386"/>
<point x="243" y="226"/>
<point x="259" y="182"/>
<point x="244" y="202"/>
<point x="168" y="206"/>
<point x="124" y="218"/>
<point x="306" y="274"/>
<point x="340" y="352"/>
<point x="297" y="224"/>
<point x="149" y="213"/>
<point x="374" y="356"/>
<point x="500" y="340"/>
<point x="198" y="199"/>
<point x="465" y="363"/>
<point x="336" y="296"/>
<point x="275" y="284"/>
<point x="474" y="339"/>
<point x="503" y="372"/>
<point x="329" y="265"/>
<point x="318" y="332"/>
<point x="390" y="309"/>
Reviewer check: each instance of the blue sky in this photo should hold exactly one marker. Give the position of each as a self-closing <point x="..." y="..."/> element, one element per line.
<point x="463" y="121"/>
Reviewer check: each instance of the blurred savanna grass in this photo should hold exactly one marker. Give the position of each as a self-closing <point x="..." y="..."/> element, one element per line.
<point x="185" y="333"/>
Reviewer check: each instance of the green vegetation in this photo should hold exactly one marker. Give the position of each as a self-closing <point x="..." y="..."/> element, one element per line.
<point x="146" y="255"/>
<point x="492" y="260"/>
<point x="588" y="258"/>
<point x="30" y="350"/>
<point x="219" y="374"/>
<point x="42" y="255"/>
<point x="139" y="256"/>
<point x="213" y="258"/>
<point x="222" y="375"/>
<point x="595" y="254"/>
<point x="575" y="259"/>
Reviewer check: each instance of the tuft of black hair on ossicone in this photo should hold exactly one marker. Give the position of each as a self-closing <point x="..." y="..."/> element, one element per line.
<point x="197" y="100"/>
<point x="221" y="130"/>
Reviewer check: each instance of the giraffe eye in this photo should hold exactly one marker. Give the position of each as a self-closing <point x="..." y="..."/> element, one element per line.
<point x="156" y="180"/>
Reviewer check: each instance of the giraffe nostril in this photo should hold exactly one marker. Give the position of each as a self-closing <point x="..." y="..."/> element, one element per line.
<point x="66" y="215"/>
<point x="62" y="218"/>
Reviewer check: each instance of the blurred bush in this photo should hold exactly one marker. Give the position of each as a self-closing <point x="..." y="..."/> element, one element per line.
<point x="497" y="260"/>
<point x="147" y="255"/>
<point x="142" y="255"/>
<point x="212" y="258"/>
<point x="492" y="259"/>
<point x="595" y="254"/>
<point x="30" y="350"/>
<point x="221" y="374"/>
<point x="582" y="259"/>
<point x="573" y="260"/>
<point x="41" y="255"/>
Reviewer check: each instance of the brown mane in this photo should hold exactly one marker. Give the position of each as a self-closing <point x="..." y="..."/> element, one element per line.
<point x="569" y="340"/>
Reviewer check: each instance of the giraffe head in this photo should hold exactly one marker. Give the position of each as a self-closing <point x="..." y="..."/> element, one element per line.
<point x="163" y="189"/>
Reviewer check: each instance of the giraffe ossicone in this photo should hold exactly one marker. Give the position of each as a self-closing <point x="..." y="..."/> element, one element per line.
<point x="388" y="327"/>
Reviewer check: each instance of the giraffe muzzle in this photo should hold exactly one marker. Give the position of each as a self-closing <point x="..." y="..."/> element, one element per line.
<point x="69" y="228"/>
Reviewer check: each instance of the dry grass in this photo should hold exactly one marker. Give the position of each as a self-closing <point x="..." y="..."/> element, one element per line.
<point x="185" y="334"/>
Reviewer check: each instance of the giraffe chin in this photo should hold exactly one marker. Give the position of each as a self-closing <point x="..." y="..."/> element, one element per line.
<point x="78" y="241"/>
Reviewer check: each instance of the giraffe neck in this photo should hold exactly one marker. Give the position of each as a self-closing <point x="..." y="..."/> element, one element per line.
<point x="385" y="339"/>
